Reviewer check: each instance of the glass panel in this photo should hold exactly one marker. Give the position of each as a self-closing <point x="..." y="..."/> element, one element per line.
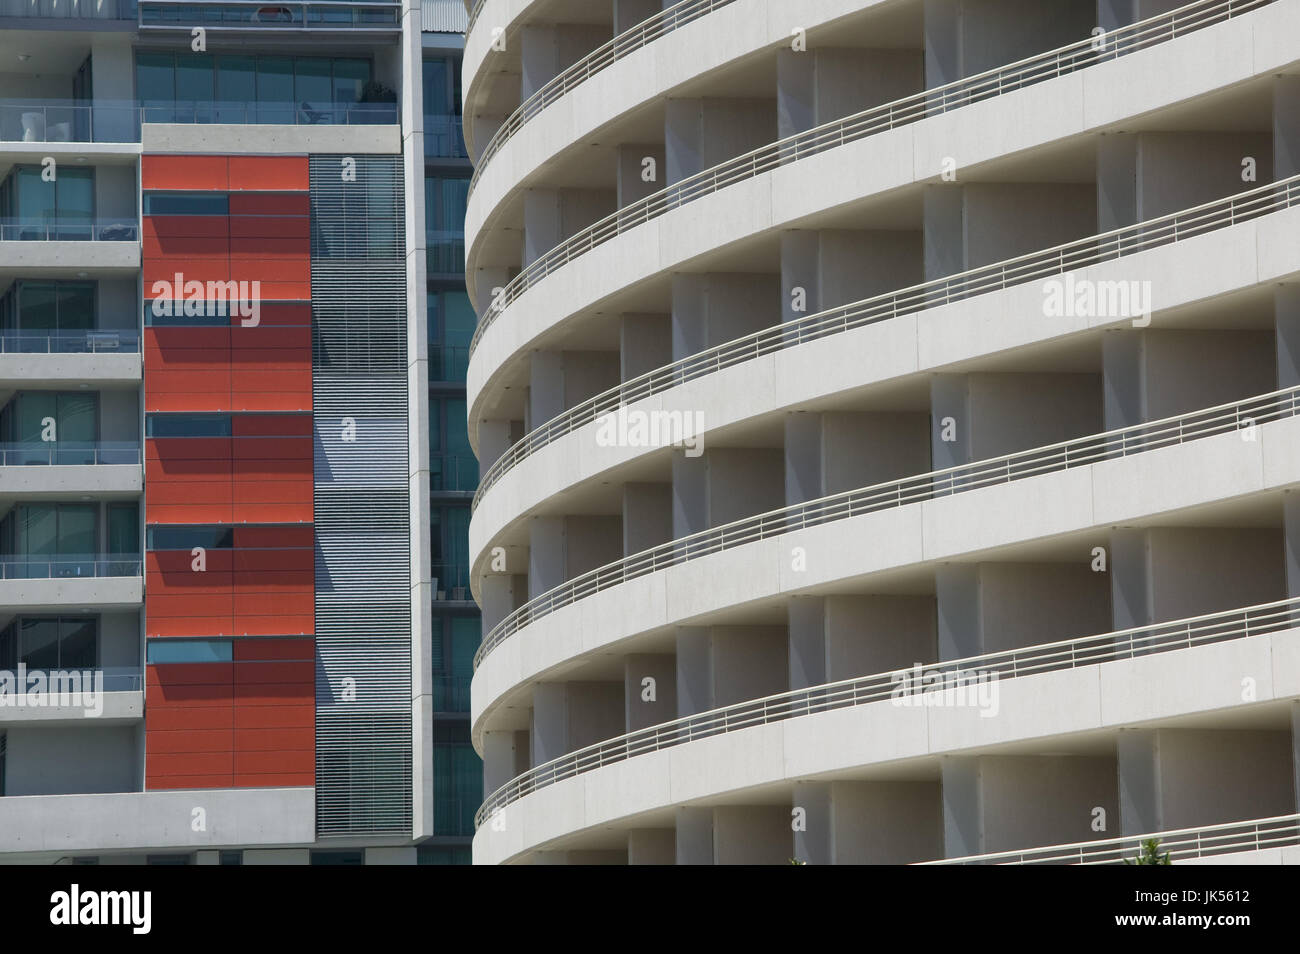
<point x="75" y="204"/>
<point x="124" y="528"/>
<point x="350" y="77"/>
<point x="459" y="321"/>
<point x="186" y="203"/>
<point x="187" y="425"/>
<point x="34" y="409"/>
<point x="76" y="302"/>
<point x="37" y="306"/>
<point x="78" y="647"/>
<point x="155" y="79"/>
<point x="35" y="202"/>
<point x="78" y="428"/>
<point x="76" y="530"/>
<point x="312" y="90"/>
<point x="195" y="88"/>
<point x="9" y="646"/>
<point x="437" y="93"/>
<point x="189" y="650"/>
<point x="275" y="90"/>
<point x="37" y="530"/>
<point x="38" y="643"/>
<point x="466" y="631"/>
<point x="236" y="88"/>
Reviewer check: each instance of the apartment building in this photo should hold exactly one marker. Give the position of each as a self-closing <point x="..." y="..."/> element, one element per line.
<point x="217" y="602"/>
<point x="887" y="412"/>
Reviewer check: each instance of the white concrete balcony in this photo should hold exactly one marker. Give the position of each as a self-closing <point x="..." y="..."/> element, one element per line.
<point x="111" y="695"/>
<point x="98" y="357"/>
<point x="102" y="469"/>
<point x="87" y="582"/>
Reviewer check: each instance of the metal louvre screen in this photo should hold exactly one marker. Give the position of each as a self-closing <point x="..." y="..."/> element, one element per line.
<point x="362" y="505"/>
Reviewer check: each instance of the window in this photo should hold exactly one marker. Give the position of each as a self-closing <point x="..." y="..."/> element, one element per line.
<point x="189" y="650"/>
<point x="445" y="199"/>
<point x="49" y="306"/>
<point x="455" y="640"/>
<point x="50" y="642"/>
<point x="457" y="781"/>
<point x="450" y="546"/>
<point x="451" y="326"/>
<point x="61" y="210"/>
<point x="232" y="858"/>
<point x="162" y="537"/>
<point x="51" y="427"/>
<point x="51" y="539"/>
<point x="186" y="203"/>
<point x="443" y="136"/>
<point x="187" y="425"/>
<point x="452" y="464"/>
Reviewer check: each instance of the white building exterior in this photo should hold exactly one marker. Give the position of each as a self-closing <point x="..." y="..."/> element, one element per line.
<point x="989" y="542"/>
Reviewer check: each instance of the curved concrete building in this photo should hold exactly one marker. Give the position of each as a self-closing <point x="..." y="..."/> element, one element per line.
<point x="889" y="422"/>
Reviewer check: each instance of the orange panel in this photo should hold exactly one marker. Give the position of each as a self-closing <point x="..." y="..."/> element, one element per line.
<point x="185" y="226"/>
<point x="298" y="716"/>
<point x="173" y="742"/>
<point x="188" y="698"/>
<point x="270" y="226"/>
<point x="185" y="173"/>
<point x="256" y="649"/>
<point x="272" y="425"/>
<point x="282" y="762"/>
<point x="270" y="203"/>
<point x="269" y="173"/>
<point x="157" y="783"/>
<point x="166" y="717"/>
<point x="215" y="269"/>
<point x="193" y="763"/>
<point x="156" y="249"/>
<point x="300" y="739"/>
<point x="296" y="780"/>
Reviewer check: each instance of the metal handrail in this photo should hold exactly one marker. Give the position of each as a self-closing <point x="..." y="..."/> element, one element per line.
<point x="1059" y="260"/>
<point x="1254" y="835"/>
<point x="605" y="55"/>
<point x="69" y="453"/>
<point x="87" y="341"/>
<point x="69" y="566"/>
<point x="68" y="229"/>
<point x="847" y="693"/>
<point x="860" y="126"/>
<point x="1051" y="458"/>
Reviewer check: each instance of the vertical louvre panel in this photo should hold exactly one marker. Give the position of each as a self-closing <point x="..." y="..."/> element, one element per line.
<point x="362" y="505"/>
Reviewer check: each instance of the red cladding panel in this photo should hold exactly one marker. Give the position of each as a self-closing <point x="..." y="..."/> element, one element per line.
<point x="185" y="173"/>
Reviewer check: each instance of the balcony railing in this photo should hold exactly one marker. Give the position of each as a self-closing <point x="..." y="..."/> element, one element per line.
<point x="69" y="9"/>
<point x="847" y="693"/>
<point x="284" y="114"/>
<point x="453" y="472"/>
<point x="116" y="678"/>
<point x="1080" y="452"/>
<point x="107" y="341"/>
<point x="1281" y="831"/>
<point x="69" y="566"/>
<point x="68" y="230"/>
<point x="445" y="250"/>
<point x="451" y="581"/>
<point x="861" y="126"/>
<point x="53" y="120"/>
<point x="1108" y="246"/>
<point x="379" y="16"/>
<point x="69" y="453"/>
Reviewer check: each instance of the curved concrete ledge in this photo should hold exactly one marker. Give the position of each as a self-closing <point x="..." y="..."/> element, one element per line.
<point x="1054" y="111"/>
<point x="1073" y="505"/>
<point x="645" y="76"/>
<point x="1192" y="270"/>
<point x="870" y="739"/>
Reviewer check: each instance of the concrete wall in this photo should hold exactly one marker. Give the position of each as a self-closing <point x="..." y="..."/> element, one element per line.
<point x="843" y="637"/>
<point x="70" y="761"/>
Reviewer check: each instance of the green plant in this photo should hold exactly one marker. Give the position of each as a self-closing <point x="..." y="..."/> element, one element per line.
<point x="1150" y="854"/>
<point x="796" y="861"/>
<point x="376" y="92"/>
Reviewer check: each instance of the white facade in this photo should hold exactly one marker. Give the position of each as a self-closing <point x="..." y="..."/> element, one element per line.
<point x="888" y="415"/>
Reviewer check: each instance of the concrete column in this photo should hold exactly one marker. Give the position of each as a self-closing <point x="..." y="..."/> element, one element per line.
<point x="553" y="215"/>
<point x="886" y="823"/>
<point x="649" y="689"/>
<point x="1137" y="760"/>
<point x="725" y="484"/>
<point x="1122" y="385"/>
<point x="546" y="549"/>
<point x="694" y="836"/>
<point x="752" y="835"/>
<point x="843" y="637"/>
<point x="943" y="230"/>
<point x="546" y="50"/>
<point x="629" y="13"/>
<point x="570" y="716"/>
<point x="831" y="268"/>
<point x="943" y="47"/>
<point x="561" y="380"/>
<point x="831" y="453"/>
<point x="647" y="516"/>
<point x="1117" y="204"/>
<point x="1168" y="573"/>
<point x="500" y="595"/>
<point x="505" y="755"/>
<point x="966" y="37"/>
<point x="819" y="86"/>
<point x="1005" y="803"/>
<point x="749" y="662"/>
<point x="495" y="438"/>
<point x="694" y="659"/>
<point x="545" y="386"/>
<point x="813" y="823"/>
<point x="642" y="171"/>
<point x="651" y="846"/>
<point x="1286" y="320"/>
<point x="113" y="117"/>
<point x="1187" y="778"/>
<point x="645" y="344"/>
<point x="701" y="133"/>
<point x="1177" y="170"/>
<point x="487" y="281"/>
<point x="1291" y="531"/>
<point x="710" y="310"/>
<point x="1286" y="126"/>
